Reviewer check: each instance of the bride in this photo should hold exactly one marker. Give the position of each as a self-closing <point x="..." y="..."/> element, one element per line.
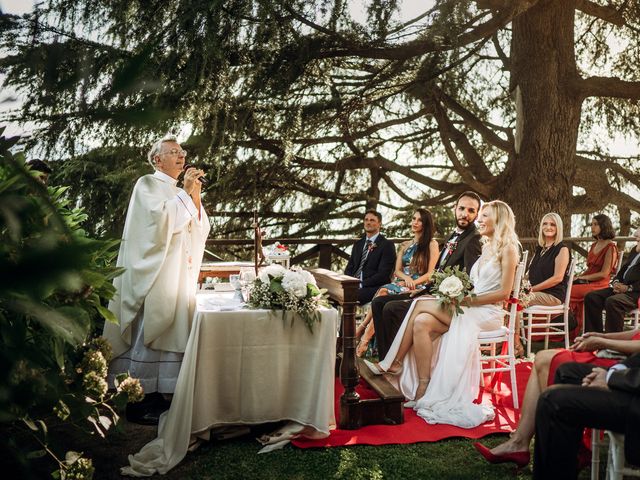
<point x="434" y="356"/>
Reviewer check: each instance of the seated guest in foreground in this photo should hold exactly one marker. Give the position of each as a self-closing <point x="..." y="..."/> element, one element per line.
<point x="601" y="260"/>
<point x="617" y="300"/>
<point x="608" y="400"/>
<point x="445" y="392"/>
<point x="372" y="258"/>
<point x="415" y="264"/>
<point x="548" y="269"/>
<point x="462" y="248"/>
<point x="516" y="449"/>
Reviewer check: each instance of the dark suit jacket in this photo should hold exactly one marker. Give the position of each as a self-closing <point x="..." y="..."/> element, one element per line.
<point x="633" y="277"/>
<point x="378" y="267"/>
<point x="467" y="251"/>
<point x="629" y="381"/>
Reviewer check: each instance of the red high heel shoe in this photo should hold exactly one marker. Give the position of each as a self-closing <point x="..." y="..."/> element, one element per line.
<point x="521" y="459"/>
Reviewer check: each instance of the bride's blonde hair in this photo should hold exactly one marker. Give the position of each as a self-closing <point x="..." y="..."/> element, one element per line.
<point x="504" y="225"/>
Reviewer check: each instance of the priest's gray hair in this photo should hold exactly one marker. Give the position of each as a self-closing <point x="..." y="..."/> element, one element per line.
<point x="156" y="149"/>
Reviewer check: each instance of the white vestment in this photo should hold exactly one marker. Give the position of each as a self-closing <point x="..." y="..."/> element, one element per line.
<point x="161" y="251"/>
<point x="455" y="366"/>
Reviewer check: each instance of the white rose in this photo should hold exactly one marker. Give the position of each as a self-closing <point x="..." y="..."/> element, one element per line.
<point x="294" y="283"/>
<point x="451" y="286"/>
<point x="275" y="270"/>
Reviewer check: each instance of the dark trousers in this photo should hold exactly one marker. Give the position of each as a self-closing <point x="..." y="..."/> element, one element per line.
<point x="388" y="312"/>
<point x="562" y="414"/>
<point x="615" y="306"/>
<point x="365" y="294"/>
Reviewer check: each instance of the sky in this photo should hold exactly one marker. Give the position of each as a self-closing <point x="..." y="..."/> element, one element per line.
<point x="8" y="97"/>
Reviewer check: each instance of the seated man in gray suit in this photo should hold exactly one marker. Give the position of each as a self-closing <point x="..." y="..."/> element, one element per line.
<point x="373" y="258"/>
<point x="461" y="248"/>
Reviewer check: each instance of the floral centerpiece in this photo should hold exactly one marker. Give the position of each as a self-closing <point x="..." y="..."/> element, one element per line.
<point x="291" y="290"/>
<point x="450" y="286"/>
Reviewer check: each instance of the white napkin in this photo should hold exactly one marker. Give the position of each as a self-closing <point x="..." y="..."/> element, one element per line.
<point x="222" y="304"/>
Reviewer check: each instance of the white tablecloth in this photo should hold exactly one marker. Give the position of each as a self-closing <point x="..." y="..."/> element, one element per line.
<point x="245" y="367"/>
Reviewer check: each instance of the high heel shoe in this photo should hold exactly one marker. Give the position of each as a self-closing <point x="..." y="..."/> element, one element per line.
<point x="521" y="459"/>
<point x="423" y="384"/>
<point x="377" y="370"/>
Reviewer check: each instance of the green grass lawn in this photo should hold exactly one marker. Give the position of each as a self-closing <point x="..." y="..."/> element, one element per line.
<point x="453" y="458"/>
<point x="239" y="459"/>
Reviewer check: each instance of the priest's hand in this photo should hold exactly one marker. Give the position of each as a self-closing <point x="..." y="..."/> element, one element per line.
<point x="191" y="183"/>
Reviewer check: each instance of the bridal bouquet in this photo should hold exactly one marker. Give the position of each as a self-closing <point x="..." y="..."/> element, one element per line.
<point x="450" y="286"/>
<point x="293" y="290"/>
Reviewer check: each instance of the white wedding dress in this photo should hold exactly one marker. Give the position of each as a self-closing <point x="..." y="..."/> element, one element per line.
<point x="455" y="367"/>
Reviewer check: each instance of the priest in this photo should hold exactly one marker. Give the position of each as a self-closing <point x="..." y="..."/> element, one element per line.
<point x="161" y="251"/>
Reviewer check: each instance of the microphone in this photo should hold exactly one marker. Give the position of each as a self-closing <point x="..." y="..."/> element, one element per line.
<point x="202" y="178"/>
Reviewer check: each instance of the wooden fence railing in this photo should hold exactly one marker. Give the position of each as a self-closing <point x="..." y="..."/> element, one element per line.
<point x="324" y="249"/>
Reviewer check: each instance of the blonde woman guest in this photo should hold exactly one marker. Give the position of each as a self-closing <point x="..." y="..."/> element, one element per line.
<point x="601" y="261"/>
<point x="548" y="268"/>
<point x="415" y="263"/>
<point x="443" y="378"/>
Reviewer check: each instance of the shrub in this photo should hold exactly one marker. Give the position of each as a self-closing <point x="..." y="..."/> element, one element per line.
<point x="54" y="285"/>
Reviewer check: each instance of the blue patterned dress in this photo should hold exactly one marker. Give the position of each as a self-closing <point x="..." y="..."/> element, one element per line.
<point x="395" y="287"/>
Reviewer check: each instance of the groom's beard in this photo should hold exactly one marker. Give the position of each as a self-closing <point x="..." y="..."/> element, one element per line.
<point x="465" y="226"/>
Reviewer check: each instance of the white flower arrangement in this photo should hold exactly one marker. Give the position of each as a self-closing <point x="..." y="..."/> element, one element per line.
<point x="450" y="286"/>
<point x="294" y="290"/>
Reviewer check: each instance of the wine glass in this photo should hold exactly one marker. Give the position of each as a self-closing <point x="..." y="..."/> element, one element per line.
<point x="247" y="276"/>
<point x="234" y="280"/>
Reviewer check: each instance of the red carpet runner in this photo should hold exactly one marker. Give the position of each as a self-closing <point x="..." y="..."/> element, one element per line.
<point x="414" y="429"/>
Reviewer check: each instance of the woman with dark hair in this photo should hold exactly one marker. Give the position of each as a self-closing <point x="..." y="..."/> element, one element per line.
<point x="601" y="261"/>
<point x="415" y="263"/>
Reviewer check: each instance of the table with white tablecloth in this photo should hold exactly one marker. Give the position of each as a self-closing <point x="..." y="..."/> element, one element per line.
<point x="241" y="367"/>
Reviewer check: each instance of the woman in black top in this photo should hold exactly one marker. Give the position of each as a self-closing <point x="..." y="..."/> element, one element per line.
<point x="548" y="268"/>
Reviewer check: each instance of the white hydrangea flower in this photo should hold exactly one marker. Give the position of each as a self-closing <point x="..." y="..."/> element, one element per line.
<point x="294" y="283"/>
<point x="308" y="277"/>
<point x="451" y="286"/>
<point x="275" y="270"/>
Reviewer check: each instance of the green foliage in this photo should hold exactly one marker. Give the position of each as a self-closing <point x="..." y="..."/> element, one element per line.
<point x="54" y="285"/>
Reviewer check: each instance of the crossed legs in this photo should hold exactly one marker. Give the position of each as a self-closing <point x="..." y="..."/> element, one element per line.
<point x="427" y="322"/>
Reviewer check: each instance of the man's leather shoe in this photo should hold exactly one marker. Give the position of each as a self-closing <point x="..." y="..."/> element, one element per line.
<point x="144" y="418"/>
<point x="143" y="413"/>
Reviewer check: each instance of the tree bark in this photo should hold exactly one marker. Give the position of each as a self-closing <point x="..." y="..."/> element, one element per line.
<point x="543" y="68"/>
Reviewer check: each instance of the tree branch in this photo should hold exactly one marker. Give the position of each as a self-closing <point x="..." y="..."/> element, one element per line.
<point x="474" y="122"/>
<point x="592" y="176"/>
<point x="608" y="87"/>
<point x="477" y="175"/>
<point x="421" y="46"/>
<point x="603" y="12"/>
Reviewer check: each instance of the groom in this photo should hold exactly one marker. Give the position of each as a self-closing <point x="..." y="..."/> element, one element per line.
<point x="462" y="248"/>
